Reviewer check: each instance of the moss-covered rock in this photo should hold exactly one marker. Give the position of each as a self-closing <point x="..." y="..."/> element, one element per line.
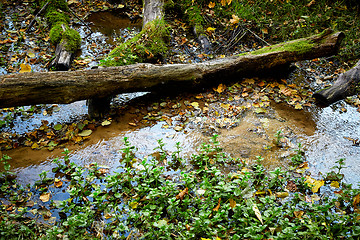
<point x="149" y="45"/>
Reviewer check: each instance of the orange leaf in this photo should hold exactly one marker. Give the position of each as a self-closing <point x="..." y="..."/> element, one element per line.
<point x="220" y="88"/>
<point x="58" y="183"/>
<point x="182" y="194"/>
<point x="218" y="206"/>
<point x="211" y="5"/>
<point x="223" y="3"/>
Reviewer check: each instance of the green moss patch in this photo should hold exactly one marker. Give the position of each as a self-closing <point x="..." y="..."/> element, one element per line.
<point x="149" y="45"/>
<point x="297" y="46"/>
<point x="54" y="17"/>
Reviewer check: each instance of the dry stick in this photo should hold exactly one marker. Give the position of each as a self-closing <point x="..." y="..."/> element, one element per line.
<point x="258" y="37"/>
<point x="33" y="21"/>
<point x="81" y="21"/>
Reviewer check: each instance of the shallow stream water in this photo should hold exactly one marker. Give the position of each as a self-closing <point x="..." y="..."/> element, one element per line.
<point x="321" y="131"/>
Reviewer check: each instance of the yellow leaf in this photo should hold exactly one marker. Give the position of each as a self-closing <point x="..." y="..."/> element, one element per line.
<point x="298" y="214"/>
<point x="25" y="68"/>
<point x="133" y="205"/>
<point x="298" y="106"/>
<point x="85" y="133"/>
<point x="45" y="197"/>
<point x="205" y="239"/>
<point x="232" y="203"/>
<point x="223" y="3"/>
<point x="314" y="184"/>
<point x="229" y="2"/>
<point x="210" y="29"/>
<point x="235" y="19"/>
<point x="257" y="213"/>
<point x="335" y="184"/>
<point x="211" y="5"/>
<point x="356" y="201"/>
<point x="282" y="194"/>
<point x="220" y="88"/>
<point x="195" y="105"/>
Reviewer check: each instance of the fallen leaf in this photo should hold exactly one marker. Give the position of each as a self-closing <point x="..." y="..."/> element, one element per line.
<point x="356" y="201"/>
<point x="335" y="184"/>
<point x="314" y="184"/>
<point x="232" y="203"/>
<point x="210" y="29"/>
<point x="257" y="213"/>
<point x="85" y="133"/>
<point x="105" y="123"/>
<point x="182" y="194"/>
<point x="282" y="194"/>
<point x="45" y="197"/>
<point x="298" y="106"/>
<point x="195" y="105"/>
<point x="58" y="183"/>
<point x="220" y="88"/>
<point x="25" y="68"/>
<point x="235" y="19"/>
<point x="57" y="127"/>
<point x="298" y="214"/>
<point x="134" y="205"/>
<point x="218" y="206"/>
<point x="211" y="5"/>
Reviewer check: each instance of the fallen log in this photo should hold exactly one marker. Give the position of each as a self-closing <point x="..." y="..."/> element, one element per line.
<point x="66" y="87"/>
<point x="346" y="85"/>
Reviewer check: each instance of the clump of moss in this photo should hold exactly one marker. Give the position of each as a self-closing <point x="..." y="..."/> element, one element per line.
<point x="54" y="17"/>
<point x="149" y="45"/>
<point x="71" y="39"/>
<point x="56" y="33"/>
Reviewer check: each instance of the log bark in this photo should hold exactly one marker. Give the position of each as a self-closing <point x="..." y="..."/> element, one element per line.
<point x="66" y="87"/>
<point x="346" y="85"/>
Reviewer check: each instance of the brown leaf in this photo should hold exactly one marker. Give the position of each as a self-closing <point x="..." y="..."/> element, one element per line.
<point x="298" y="214"/>
<point x="58" y="183"/>
<point x="182" y="194"/>
<point x="232" y="203"/>
<point x="45" y="197"/>
<point x="291" y="186"/>
<point x="356" y="201"/>
<point x="218" y="206"/>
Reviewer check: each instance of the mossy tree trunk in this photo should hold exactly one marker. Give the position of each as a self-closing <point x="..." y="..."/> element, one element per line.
<point x="150" y="45"/>
<point x="346" y="85"/>
<point x="66" y="87"/>
<point x="67" y="40"/>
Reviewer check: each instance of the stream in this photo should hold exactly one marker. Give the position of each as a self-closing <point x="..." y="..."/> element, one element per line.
<point x="322" y="132"/>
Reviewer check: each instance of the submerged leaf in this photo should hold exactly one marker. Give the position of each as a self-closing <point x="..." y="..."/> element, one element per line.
<point x="45" y="197"/>
<point x="314" y="184"/>
<point x="85" y="133"/>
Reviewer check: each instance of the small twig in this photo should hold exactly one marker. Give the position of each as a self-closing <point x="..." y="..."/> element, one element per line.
<point x="33" y="21"/>
<point x="80" y="20"/>
<point x="129" y="236"/>
<point x="259" y="37"/>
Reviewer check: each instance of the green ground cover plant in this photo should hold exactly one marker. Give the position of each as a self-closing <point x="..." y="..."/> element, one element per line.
<point x="158" y="198"/>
